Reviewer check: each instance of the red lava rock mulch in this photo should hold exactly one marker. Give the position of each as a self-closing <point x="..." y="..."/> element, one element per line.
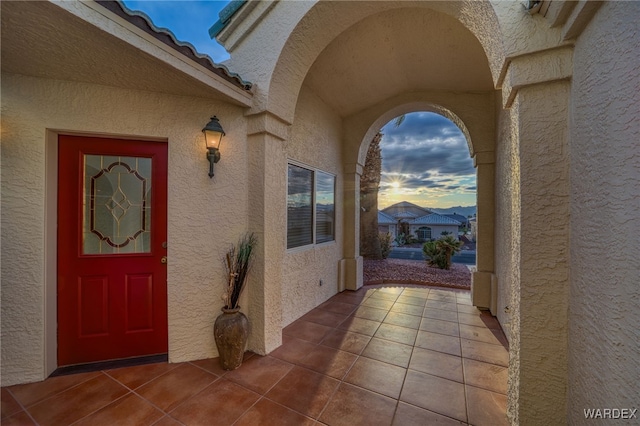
<point x="399" y="271"/>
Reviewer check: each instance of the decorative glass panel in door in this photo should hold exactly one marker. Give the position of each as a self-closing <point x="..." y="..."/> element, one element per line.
<point x="116" y="205"/>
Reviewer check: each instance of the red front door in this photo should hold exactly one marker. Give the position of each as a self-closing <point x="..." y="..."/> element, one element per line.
<point x="112" y="233"/>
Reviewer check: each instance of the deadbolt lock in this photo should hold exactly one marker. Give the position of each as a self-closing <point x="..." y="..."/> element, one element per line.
<point x="163" y="260"/>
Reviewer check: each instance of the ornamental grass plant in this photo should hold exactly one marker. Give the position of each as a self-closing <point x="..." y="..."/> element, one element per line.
<point x="238" y="262"/>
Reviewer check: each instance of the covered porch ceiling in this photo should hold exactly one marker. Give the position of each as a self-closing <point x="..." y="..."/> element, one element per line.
<point x="398" y="51"/>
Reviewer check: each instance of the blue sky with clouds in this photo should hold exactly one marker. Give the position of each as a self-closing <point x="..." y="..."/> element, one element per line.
<point x="425" y="161"/>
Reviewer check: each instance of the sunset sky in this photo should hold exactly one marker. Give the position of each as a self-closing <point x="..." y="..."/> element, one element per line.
<point x="425" y="160"/>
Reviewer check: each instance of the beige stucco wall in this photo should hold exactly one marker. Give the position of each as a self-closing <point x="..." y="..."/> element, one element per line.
<point x="604" y="309"/>
<point x="315" y="140"/>
<point x="507" y="218"/>
<point x="205" y="215"/>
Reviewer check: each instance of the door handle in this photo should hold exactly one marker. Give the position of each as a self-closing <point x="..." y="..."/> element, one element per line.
<point x="163" y="260"/>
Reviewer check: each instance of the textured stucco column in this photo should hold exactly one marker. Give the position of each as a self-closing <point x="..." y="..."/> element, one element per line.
<point x="267" y="218"/>
<point x="538" y="348"/>
<point x="351" y="275"/>
<point x="483" y="283"/>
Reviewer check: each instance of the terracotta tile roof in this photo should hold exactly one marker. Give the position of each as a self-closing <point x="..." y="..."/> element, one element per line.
<point x="164" y="35"/>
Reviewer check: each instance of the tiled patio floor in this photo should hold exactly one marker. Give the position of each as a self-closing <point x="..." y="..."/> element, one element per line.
<point x="379" y="356"/>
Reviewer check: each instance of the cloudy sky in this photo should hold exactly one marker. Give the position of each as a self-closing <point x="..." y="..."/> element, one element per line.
<point x="425" y="160"/>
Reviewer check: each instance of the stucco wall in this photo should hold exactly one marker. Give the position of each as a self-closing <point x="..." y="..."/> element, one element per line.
<point x="315" y="141"/>
<point x="205" y="215"/>
<point x="604" y="319"/>
<point x="507" y="218"/>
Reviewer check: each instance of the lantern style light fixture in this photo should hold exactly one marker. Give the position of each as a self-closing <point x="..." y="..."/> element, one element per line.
<point x="213" y="134"/>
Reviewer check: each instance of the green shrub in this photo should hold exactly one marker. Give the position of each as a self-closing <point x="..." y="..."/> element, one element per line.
<point x="385" y="244"/>
<point x="439" y="252"/>
<point x="400" y="240"/>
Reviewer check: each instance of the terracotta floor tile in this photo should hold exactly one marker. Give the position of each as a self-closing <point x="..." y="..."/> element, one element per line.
<point x="447" y="298"/>
<point x="349" y="297"/>
<point x="221" y="403"/>
<point x="408" y="415"/>
<point x="18" y="419"/>
<point x="259" y="373"/>
<point x="32" y="393"/>
<point x="293" y="350"/>
<point x="438" y="342"/>
<point x="437" y="364"/>
<point x="440" y="314"/>
<point x="306" y="330"/>
<point x="445" y="306"/>
<point x="360" y="325"/>
<point x="9" y="405"/>
<point x="486" y="408"/>
<point x="301" y="377"/>
<point x="167" y="421"/>
<point x="485" y="352"/>
<point x="439" y="326"/>
<point x="391" y="290"/>
<point x="267" y="413"/>
<point x="373" y="314"/>
<point x="486" y="321"/>
<point x="377" y="376"/>
<point x="329" y="361"/>
<point x="130" y="409"/>
<point x="173" y="388"/>
<point x="422" y="293"/>
<point x="407" y="309"/>
<point x="389" y="352"/>
<point x="134" y="377"/>
<point x="337" y="307"/>
<point x="486" y="376"/>
<point x="384" y="296"/>
<point x="212" y="365"/>
<point x="403" y="320"/>
<point x="346" y="341"/>
<point x="469" y="309"/>
<point x="435" y="394"/>
<point x="482" y="334"/>
<point x="397" y="334"/>
<point x="412" y="300"/>
<point x="77" y="402"/>
<point x="355" y="406"/>
<point x="320" y="316"/>
<point x="304" y="391"/>
<point x="378" y="303"/>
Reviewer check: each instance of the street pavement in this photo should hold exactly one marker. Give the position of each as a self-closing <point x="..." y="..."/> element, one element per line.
<point x="466" y="257"/>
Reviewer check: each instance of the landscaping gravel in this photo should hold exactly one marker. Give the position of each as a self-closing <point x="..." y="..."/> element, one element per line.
<point x="398" y="271"/>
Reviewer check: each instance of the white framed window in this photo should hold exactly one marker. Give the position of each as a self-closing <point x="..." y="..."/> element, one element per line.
<point x="310" y="206"/>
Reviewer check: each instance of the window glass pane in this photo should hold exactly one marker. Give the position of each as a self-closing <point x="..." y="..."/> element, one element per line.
<point x="299" y="207"/>
<point x="116" y="204"/>
<point x="325" y="206"/>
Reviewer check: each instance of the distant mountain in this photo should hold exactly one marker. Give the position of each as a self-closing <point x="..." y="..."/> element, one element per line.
<point x="464" y="211"/>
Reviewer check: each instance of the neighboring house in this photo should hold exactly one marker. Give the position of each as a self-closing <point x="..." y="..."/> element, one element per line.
<point x="387" y="224"/>
<point x="404" y="218"/>
<point x="548" y="108"/>
<point x="464" y="221"/>
<point x="473" y="228"/>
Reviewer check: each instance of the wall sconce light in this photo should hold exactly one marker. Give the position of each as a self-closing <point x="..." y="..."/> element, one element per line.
<point x="213" y="134"/>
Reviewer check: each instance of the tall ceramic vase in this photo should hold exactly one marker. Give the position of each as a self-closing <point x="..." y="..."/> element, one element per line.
<point x="230" y="332"/>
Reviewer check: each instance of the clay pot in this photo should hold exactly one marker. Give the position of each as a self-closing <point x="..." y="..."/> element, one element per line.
<point x="230" y="332"/>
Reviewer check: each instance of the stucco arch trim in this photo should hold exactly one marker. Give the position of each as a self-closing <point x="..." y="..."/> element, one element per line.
<point x="472" y="113"/>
